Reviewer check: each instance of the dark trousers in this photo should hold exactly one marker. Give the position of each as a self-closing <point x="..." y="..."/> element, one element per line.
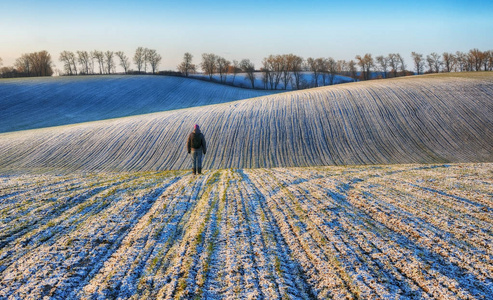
<point x="196" y="155"/>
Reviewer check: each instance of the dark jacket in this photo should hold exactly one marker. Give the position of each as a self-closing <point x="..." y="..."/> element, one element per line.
<point x="200" y="136"/>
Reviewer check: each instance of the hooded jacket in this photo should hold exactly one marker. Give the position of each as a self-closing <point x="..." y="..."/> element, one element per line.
<point x="196" y="133"/>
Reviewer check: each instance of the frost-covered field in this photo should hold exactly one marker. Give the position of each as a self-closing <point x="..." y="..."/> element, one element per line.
<point x="374" y="232"/>
<point x="29" y="103"/>
<point x="92" y="210"/>
<point x="425" y="119"/>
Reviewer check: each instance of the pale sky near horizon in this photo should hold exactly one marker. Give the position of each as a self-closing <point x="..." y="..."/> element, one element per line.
<point x="245" y="29"/>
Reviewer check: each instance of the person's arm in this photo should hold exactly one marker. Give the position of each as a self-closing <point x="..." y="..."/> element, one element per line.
<point x="188" y="145"/>
<point x="204" y="147"/>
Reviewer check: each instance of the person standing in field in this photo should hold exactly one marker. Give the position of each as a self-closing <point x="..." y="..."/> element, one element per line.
<point x="196" y="147"/>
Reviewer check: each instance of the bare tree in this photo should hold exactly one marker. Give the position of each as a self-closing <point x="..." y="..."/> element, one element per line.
<point x="313" y="66"/>
<point x="249" y="68"/>
<point x="99" y="56"/>
<point x="222" y="66"/>
<point x="488" y="61"/>
<point x="297" y="69"/>
<point x="69" y="62"/>
<point x="470" y="62"/>
<point x="73" y="60"/>
<point x="42" y="63"/>
<point x="429" y="60"/>
<point x="323" y="69"/>
<point x="67" y="66"/>
<point x="91" y="64"/>
<point x="402" y="64"/>
<point x="139" y="59"/>
<point x="484" y="60"/>
<point x="186" y="67"/>
<point x="342" y="67"/>
<point x="236" y="69"/>
<point x="109" y="61"/>
<point x="209" y="64"/>
<point x="272" y="67"/>
<point x="154" y="59"/>
<point x="35" y="68"/>
<point x="84" y="60"/>
<point x="352" y="69"/>
<point x="366" y="63"/>
<point x="124" y="60"/>
<point x="23" y="64"/>
<point x="383" y="63"/>
<point x="267" y="79"/>
<point x="147" y="58"/>
<point x="418" y="62"/>
<point x="461" y="61"/>
<point x="8" y="72"/>
<point x="286" y="66"/>
<point x="278" y="65"/>
<point x="34" y="64"/>
<point x="477" y="58"/>
<point x="434" y="62"/>
<point x="332" y="69"/>
<point x="394" y="63"/>
<point x="448" y="61"/>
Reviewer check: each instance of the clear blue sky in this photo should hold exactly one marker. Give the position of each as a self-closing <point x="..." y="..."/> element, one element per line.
<point x="245" y="29"/>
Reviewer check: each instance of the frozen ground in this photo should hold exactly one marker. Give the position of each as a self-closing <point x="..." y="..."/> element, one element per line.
<point x="374" y="232"/>
<point x="29" y="103"/>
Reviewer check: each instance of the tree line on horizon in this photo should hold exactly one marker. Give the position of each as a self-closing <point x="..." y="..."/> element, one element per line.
<point x="99" y="62"/>
<point x="29" y="65"/>
<point x="277" y="70"/>
<point x="82" y="63"/>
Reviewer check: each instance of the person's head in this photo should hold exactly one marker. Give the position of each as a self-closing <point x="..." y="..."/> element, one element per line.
<point x="196" y="127"/>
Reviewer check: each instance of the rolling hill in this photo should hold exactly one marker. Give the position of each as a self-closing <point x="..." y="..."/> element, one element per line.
<point x="44" y="102"/>
<point x="426" y="119"/>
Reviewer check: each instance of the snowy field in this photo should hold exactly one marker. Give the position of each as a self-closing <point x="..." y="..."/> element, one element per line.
<point x="29" y="103"/>
<point x="426" y="119"/>
<point x="372" y="232"/>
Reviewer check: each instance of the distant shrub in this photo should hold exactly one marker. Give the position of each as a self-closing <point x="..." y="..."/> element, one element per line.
<point x="171" y="73"/>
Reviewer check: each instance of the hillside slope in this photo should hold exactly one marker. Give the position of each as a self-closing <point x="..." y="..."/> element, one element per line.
<point x="425" y="119"/>
<point x="43" y="102"/>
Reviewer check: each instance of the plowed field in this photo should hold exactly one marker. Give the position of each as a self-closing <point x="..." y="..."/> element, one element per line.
<point x="402" y="231"/>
